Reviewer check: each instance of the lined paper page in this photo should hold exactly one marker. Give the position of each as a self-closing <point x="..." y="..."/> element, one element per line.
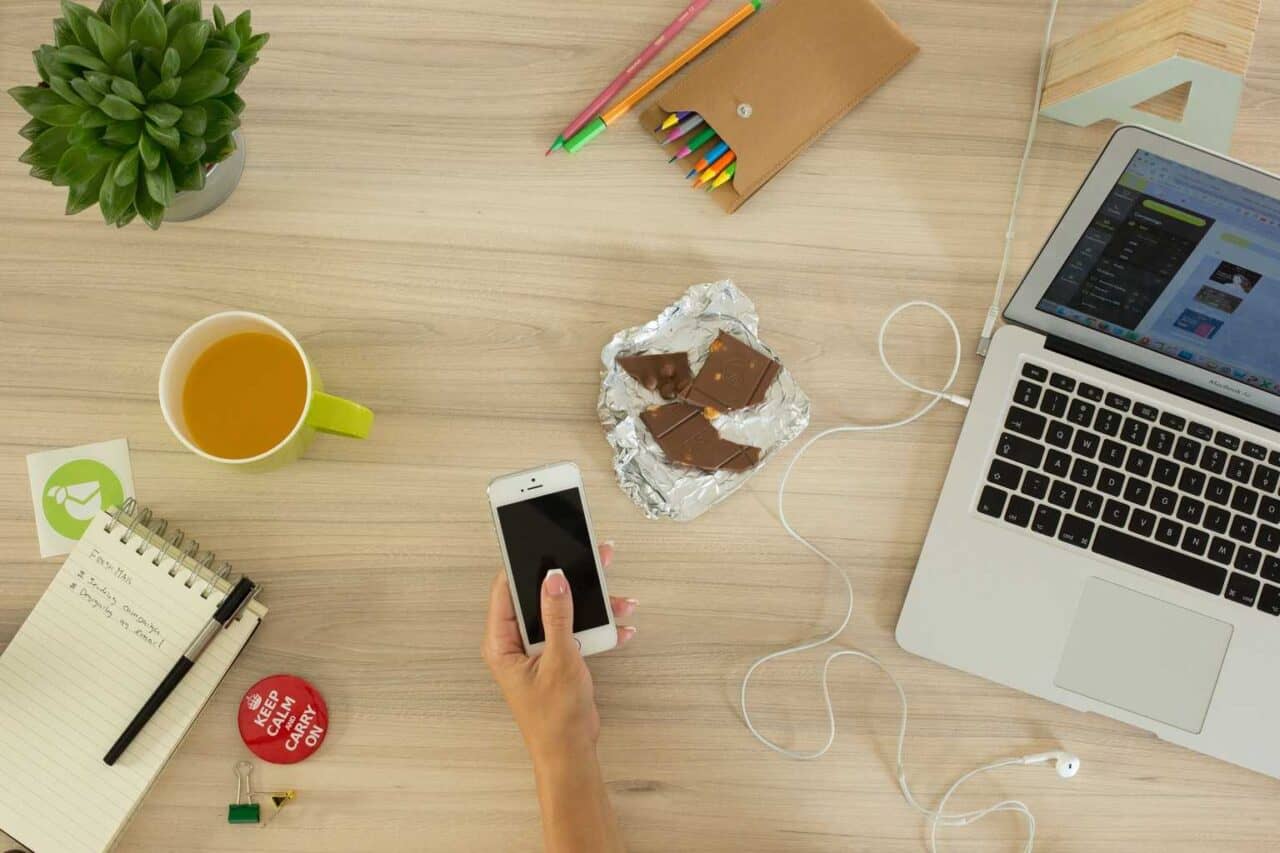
<point x="100" y="640"/>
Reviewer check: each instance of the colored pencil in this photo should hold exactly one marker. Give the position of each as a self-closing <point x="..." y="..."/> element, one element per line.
<point x="694" y="144"/>
<point x="636" y="65"/>
<point x="596" y="126"/>
<point x="678" y="115"/>
<point x="682" y="128"/>
<point x="723" y="176"/>
<point x="710" y="157"/>
<point x="715" y="168"/>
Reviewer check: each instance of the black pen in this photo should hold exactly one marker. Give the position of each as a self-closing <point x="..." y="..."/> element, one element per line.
<point x="229" y="609"/>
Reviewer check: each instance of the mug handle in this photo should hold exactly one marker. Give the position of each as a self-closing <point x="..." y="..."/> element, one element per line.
<point x="337" y="416"/>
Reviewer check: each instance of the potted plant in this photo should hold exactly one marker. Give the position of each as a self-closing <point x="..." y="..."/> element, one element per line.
<point x="137" y="102"/>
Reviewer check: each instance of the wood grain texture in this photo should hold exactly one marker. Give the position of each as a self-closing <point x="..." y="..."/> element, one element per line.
<point x="397" y="214"/>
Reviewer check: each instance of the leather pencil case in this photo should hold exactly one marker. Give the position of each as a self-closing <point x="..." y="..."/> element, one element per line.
<point x="780" y="81"/>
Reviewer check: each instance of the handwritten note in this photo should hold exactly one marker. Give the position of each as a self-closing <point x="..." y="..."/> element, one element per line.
<point x="96" y="592"/>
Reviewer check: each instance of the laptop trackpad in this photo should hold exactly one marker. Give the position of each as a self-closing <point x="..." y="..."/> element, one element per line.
<point x="1143" y="655"/>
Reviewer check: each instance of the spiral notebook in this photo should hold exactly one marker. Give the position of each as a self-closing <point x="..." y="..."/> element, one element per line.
<point x="119" y="612"/>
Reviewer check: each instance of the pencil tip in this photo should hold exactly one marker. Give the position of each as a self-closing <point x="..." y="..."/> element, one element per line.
<point x="671" y="159"/>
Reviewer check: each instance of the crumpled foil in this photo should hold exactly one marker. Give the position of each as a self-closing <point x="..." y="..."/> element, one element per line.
<point x="663" y="489"/>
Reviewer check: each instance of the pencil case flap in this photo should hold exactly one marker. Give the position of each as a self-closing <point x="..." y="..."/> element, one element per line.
<point x="785" y="77"/>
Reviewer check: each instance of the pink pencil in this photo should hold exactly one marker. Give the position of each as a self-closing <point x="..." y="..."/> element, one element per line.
<point x="641" y="60"/>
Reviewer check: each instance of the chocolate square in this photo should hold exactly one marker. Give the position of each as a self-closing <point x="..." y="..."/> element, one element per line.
<point x="668" y="374"/>
<point x="688" y="438"/>
<point x="734" y="376"/>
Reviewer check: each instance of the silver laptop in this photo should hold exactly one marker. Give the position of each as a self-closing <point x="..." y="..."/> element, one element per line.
<point x="1108" y="536"/>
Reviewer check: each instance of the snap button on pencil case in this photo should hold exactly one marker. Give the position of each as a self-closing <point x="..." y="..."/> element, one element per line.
<point x="781" y="81"/>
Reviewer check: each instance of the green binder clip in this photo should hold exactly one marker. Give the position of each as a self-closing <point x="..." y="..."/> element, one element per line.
<point x="244" y="809"/>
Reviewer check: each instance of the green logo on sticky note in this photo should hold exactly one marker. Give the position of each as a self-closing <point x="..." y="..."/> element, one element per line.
<point x="75" y="493"/>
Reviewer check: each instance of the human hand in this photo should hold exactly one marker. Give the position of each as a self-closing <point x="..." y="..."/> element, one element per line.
<point x="551" y="696"/>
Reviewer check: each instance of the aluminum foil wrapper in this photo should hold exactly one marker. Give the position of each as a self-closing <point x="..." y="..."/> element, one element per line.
<point x="663" y="489"/>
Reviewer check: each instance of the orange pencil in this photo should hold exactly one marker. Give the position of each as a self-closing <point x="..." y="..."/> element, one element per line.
<point x="715" y="169"/>
<point x="597" y="126"/>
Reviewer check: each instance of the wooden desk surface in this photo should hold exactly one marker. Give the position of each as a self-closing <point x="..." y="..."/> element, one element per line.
<point x="398" y="215"/>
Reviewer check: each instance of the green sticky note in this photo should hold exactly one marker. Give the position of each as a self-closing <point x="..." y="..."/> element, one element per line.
<point x="243" y="813"/>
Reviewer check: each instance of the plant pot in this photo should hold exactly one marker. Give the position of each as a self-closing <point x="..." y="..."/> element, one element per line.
<point x="219" y="183"/>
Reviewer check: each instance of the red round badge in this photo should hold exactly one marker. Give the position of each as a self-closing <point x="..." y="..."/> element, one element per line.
<point x="283" y="719"/>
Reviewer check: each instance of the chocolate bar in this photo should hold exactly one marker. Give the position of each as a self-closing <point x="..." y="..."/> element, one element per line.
<point x="687" y="437"/>
<point x="667" y="373"/>
<point x="734" y="376"/>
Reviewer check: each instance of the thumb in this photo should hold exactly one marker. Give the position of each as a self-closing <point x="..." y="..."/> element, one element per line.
<point x="557" y="611"/>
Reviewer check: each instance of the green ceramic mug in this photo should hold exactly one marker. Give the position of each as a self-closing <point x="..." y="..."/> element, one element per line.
<point x="320" y="412"/>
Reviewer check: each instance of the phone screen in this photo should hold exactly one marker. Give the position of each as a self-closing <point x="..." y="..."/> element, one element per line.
<point x="550" y="532"/>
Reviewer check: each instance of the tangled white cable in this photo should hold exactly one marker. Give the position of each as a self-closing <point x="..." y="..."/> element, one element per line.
<point x="1066" y="764"/>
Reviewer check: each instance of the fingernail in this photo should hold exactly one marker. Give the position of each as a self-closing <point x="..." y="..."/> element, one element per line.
<point x="555" y="585"/>
<point x="634" y="602"/>
<point x="608" y="543"/>
<point x="627" y="633"/>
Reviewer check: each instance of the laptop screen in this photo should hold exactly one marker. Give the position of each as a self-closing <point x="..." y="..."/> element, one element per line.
<point x="1182" y="263"/>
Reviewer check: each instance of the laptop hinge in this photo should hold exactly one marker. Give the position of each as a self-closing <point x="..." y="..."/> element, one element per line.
<point x="1186" y="390"/>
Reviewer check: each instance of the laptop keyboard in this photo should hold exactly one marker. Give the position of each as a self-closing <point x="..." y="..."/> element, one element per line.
<point x="1124" y="479"/>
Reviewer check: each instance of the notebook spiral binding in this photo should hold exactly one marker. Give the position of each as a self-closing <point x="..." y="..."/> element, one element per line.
<point x="183" y="557"/>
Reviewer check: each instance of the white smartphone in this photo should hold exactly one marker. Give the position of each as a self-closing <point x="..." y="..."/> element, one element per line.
<point x="543" y="524"/>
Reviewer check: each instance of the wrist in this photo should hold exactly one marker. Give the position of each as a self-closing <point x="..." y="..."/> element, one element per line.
<point x="564" y="761"/>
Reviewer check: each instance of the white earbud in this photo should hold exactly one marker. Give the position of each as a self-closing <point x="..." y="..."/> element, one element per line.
<point x="1065" y="763"/>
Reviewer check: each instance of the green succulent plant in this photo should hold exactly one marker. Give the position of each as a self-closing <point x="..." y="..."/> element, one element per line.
<point x="136" y="101"/>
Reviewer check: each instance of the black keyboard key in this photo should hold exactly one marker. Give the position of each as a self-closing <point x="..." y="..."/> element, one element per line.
<point x="1139" y="462"/>
<point x="1108" y="422"/>
<point x="1086" y="443"/>
<point x="1084" y="472"/>
<point x="1046" y="520"/>
<point x="1035" y="485"/>
<point x="1158" y="560"/>
<point x="1221" y="550"/>
<point x="1165" y="472"/>
<point x="1059" y="434"/>
<point x="1186" y="450"/>
<point x="1242" y="589"/>
<point x="1034" y="372"/>
<point x="1174" y="422"/>
<point x="1080" y="413"/>
<point x="1076" y="531"/>
<point x="1025" y="422"/>
<point x="1026" y="394"/>
<point x="1019" y="511"/>
<point x="1168" y="531"/>
<point x="1134" y="431"/>
<point x="1191" y="481"/>
<point x="1266" y="479"/>
<point x="1145" y="411"/>
<point x="991" y="501"/>
<point x="1269" y="601"/>
<point x="1200" y="431"/>
<point x="1268" y="538"/>
<point x="1142" y="522"/>
<point x="1116" y="401"/>
<point x="1269" y="510"/>
<point x="1053" y="403"/>
<point x="1111" y="481"/>
<point x="1190" y="510"/>
<point x="1213" y="460"/>
<point x="1255" y="451"/>
<point x="1062" y="494"/>
<point x="1244" y="500"/>
<point x="1218" y="490"/>
<point x="1195" y="541"/>
<point x="1164" y="501"/>
<point x="1240" y="469"/>
<point x="1062" y="383"/>
<point x="1057" y="463"/>
<point x="1089" y="503"/>
<point x="1112" y="452"/>
<point x="1271" y="568"/>
<point x="1161" y="441"/>
<point x="1217" y="519"/>
<point x="1004" y="474"/>
<point x="1090" y="392"/>
<point x="1115" y="513"/>
<point x="1137" y="491"/>
<point x="1248" y="560"/>
<point x="1019" y="449"/>
<point x="1243" y="529"/>
<point x="1230" y="442"/>
<point x="1274" y="458"/>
